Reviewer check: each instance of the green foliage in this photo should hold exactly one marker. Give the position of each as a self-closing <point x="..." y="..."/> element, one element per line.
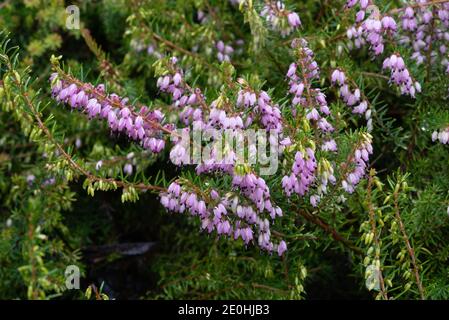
<point x="386" y="241"/>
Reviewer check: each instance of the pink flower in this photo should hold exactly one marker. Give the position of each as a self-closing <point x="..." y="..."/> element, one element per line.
<point x="282" y="247"/>
<point x="293" y="19"/>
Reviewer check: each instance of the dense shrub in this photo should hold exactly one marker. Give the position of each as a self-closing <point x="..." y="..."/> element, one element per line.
<point x="344" y="195"/>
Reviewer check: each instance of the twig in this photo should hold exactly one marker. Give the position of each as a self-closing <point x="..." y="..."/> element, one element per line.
<point x="106" y="67"/>
<point x="75" y="166"/>
<point x="410" y="250"/>
<point x="331" y="231"/>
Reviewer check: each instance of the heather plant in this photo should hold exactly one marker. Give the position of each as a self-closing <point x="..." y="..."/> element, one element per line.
<point x="229" y="149"/>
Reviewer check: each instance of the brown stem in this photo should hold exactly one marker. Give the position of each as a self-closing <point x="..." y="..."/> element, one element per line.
<point x="410" y="250"/>
<point x="394" y="11"/>
<point x="329" y="230"/>
<point x="375" y="75"/>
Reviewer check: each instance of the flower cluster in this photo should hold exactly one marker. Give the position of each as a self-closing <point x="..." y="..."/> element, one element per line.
<point x="306" y="170"/>
<point x="219" y="119"/>
<point x="358" y="163"/>
<point x="227" y="215"/>
<point x="224" y="51"/>
<point x="182" y="94"/>
<point x="261" y="104"/>
<point x="144" y="126"/>
<point x="375" y="30"/>
<point x="151" y="48"/>
<point x="401" y="76"/>
<point x="303" y="173"/>
<point x="409" y="21"/>
<point x="371" y="30"/>
<point x="256" y="189"/>
<point x="300" y="75"/>
<point x="243" y="216"/>
<point x="279" y="18"/>
<point x="425" y="29"/>
<point x="352" y="99"/>
<point x="325" y="174"/>
<point x="442" y="136"/>
<point x="246" y="209"/>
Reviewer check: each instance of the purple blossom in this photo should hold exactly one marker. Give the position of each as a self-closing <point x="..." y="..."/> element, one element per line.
<point x="224" y="51"/>
<point x="371" y="29"/>
<point x="303" y="173"/>
<point x="128" y="169"/>
<point x="359" y="161"/>
<point x="401" y="76"/>
<point x="226" y="216"/>
<point x="141" y="126"/>
<point x="352" y="99"/>
<point x="279" y="18"/>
